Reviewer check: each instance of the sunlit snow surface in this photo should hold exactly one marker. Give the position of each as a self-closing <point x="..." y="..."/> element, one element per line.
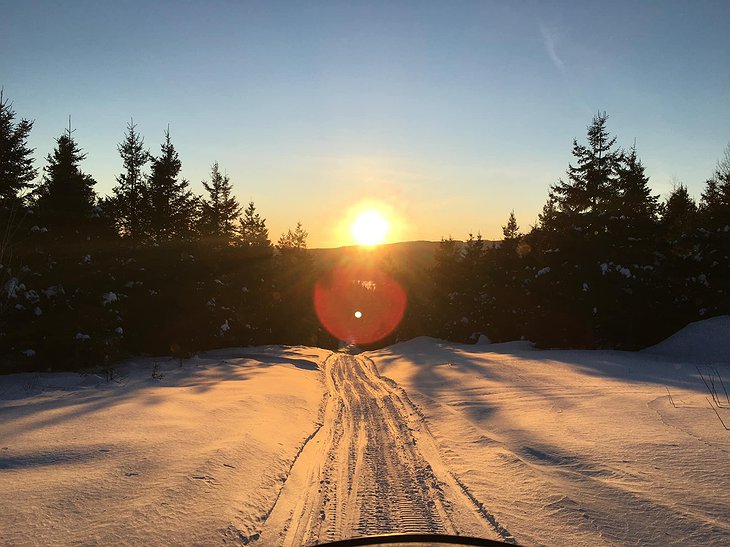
<point x="581" y="447"/>
<point x="194" y="455"/>
<point x="561" y="447"/>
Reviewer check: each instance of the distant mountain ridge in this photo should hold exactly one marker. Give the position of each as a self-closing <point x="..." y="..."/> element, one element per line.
<point x="409" y="255"/>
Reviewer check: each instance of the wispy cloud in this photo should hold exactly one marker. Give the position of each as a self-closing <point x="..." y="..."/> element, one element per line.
<point x="549" y="39"/>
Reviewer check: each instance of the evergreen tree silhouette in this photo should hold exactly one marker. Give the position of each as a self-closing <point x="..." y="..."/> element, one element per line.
<point x="583" y="201"/>
<point x="630" y="281"/>
<point x="573" y="270"/>
<point x="447" y="288"/>
<point x="220" y="210"/>
<point x="511" y="233"/>
<point x="171" y="210"/>
<point x="254" y="235"/>
<point x="16" y="164"/>
<point x="636" y="203"/>
<point x="126" y="206"/>
<point x="66" y="199"/>
<point x="633" y="214"/>
<point x="682" y="259"/>
<point x="715" y="200"/>
<point x="294" y="283"/>
<point x="293" y="244"/>
<point x="474" y="304"/>
<point x="679" y="212"/>
<point x="505" y="277"/>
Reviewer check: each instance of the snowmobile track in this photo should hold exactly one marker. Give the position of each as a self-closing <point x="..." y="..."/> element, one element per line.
<point x="371" y="468"/>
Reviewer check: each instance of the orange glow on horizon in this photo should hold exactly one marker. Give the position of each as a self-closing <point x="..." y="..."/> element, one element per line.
<point x="370" y="228"/>
<point x="369" y="223"/>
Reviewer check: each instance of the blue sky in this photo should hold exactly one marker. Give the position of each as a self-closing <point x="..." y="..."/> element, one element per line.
<point x="449" y="113"/>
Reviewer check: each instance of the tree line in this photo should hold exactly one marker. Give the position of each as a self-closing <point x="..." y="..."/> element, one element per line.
<point x="607" y="264"/>
<point x="155" y="269"/>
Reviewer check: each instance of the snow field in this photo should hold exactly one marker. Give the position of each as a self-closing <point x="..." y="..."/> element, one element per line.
<point x="292" y="446"/>
<point x="197" y="456"/>
<point x="575" y="447"/>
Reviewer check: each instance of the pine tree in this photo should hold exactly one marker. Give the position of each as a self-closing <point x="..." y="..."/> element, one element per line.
<point x="714" y="246"/>
<point x="635" y="201"/>
<point x="293" y="281"/>
<point x="583" y="202"/>
<point x="293" y="243"/>
<point x="715" y="201"/>
<point x="682" y="261"/>
<point x="446" y="286"/>
<point x="634" y="214"/>
<point x="575" y="243"/>
<point x="505" y="277"/>
<point x="459" y="307"/>
<point x="16" y="165"/>
<point x="171" y="210"/>
<point x="511" y="231"/>
<point x="679" y="214"/>
<point x="220" y="211"/>
<point x="625" y="292"/>
<point x="253" y="232"/>
<point x="473" y="280"/>
<point x="126" y="205"/>
<point x="66" y="198"/>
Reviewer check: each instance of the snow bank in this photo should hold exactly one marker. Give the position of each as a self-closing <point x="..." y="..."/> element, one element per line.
<point x="705" y="341"/>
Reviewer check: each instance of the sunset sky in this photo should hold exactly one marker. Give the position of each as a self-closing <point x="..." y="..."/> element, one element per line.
<point x="446" y="114"/>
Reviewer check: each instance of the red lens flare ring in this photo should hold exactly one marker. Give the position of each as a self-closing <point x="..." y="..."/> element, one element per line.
<point x="358" y="304"/>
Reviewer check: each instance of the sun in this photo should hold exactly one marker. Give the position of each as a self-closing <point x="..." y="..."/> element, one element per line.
<point x="370" y="228"/>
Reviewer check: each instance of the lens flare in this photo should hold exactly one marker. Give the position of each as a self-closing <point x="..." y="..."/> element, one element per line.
<point x="359" y="305"/>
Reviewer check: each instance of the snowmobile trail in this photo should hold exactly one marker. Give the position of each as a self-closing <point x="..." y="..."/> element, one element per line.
<point x="372" y="468"/>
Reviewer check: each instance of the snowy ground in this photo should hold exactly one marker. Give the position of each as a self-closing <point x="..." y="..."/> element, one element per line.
<point x="373" y="468"/>
<point x="195" y="457"/>
<point x="581" y="447"/>
<point x="297" y="445"/>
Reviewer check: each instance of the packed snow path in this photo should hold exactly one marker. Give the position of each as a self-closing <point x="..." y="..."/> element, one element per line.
<point x="371" y="468"/>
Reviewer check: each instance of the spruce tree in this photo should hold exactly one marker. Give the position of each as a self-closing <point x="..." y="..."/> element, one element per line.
<point x="682" y="259"/>
<point x="171" y="209"/>
<point x="511" y="233"/>
<point x="634" y="214"/>
<point x="636" y="204"/>
<point x="220" y="210"/>
<point x="126" y="205"/>
<point x="715" y="201"/>
<point x="511" y="229"/>
<point x="293" y="243"/>
<point x="574" y="247"/>
<point x="293" y="281"/>
<point x="585" y="198"/>
<point x="446" y="286"/>
<point x="473" y="280"/>
<point x="711" y="247"/>
<point x="66" y="199"/>
<point x="254" y="235"/>
<point x="625" y="293"/>
<point x="679" y="214"/>
<point x="16" y="165"/>
<point x="505" y="276"/>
